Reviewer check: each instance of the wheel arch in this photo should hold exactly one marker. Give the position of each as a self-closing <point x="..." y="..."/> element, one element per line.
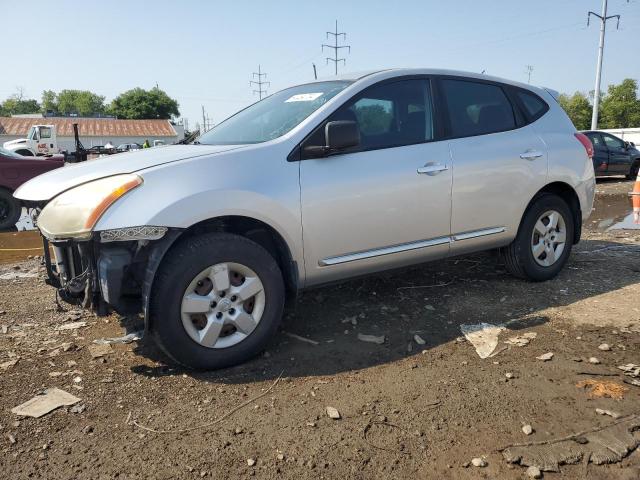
<point x="256" y="230"/>
<point x="569" y="195"/>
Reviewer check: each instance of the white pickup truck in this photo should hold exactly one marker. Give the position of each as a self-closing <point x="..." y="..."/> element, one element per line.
<point x="41" y="140"/>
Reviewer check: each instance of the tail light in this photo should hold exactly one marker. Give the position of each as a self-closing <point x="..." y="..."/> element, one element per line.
<point x="586" y="143"/>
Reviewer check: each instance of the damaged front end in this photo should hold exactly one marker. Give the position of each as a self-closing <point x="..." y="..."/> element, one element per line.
<point x="113" y="269"/>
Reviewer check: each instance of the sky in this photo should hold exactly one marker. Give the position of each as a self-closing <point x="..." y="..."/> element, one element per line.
<point x="202" y="53"/>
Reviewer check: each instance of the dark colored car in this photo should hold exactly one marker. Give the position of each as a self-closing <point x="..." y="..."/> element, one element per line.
<point x="16" y="169"/>
<point x="613" y="156"/>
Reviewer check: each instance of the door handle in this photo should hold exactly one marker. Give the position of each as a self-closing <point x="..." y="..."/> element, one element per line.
<point x="432" y="169"/>
<point x="531" y="155"/>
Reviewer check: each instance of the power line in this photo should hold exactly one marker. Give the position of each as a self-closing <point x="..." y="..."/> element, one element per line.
<point x="336" y="48"/>
<point x="603" y="26"/>
<point x="259" y="82"/>
<point x="529" y="71"/>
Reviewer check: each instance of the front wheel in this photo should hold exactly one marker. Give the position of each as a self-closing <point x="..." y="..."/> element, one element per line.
<point x="544" y="240"/>
<point x="10" y="210"/>
<point x="217" y="300"/>
<point x="633" y="172"/>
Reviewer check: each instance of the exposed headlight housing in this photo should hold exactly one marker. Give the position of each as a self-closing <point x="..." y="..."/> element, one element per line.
<point x="74" y="213"/>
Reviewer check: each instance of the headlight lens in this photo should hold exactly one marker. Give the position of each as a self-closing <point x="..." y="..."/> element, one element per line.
<point x="74" y="213"/>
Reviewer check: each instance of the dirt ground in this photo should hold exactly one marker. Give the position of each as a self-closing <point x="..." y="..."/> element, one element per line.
<point x="407" y="410"/>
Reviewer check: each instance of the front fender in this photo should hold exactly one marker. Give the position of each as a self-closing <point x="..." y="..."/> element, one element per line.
<point x="181" y="195"/>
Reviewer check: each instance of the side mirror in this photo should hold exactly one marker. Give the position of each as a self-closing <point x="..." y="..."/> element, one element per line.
<point x="338" y="135"/>
<point x="342" y="134"/>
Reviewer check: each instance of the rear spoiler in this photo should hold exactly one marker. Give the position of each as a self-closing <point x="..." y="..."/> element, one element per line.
<point x="554" y="93"/>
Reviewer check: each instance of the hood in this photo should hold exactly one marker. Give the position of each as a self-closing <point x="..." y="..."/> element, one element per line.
<point x="47" y="186"/>
<point x="18" y="141"/>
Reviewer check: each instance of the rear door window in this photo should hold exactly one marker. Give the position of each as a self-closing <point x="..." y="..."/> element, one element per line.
<point x="595" y="139"/>
<point x="476" y="108"/>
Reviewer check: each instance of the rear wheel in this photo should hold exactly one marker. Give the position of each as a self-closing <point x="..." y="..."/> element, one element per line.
<point x="217" y="300"/>
<point x="544" y="240"/>
<point x="10" y="210"/>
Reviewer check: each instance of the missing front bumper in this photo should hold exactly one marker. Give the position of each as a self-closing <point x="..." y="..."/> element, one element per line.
<point x="107" y="275"/>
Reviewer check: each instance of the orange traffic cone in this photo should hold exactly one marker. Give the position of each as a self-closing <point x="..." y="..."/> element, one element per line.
<point x="635" y="200"/>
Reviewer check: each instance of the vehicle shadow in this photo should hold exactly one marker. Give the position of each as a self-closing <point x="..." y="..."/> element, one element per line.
<point x="430" y="301"/>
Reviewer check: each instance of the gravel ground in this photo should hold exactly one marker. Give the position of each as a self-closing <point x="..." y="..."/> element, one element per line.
<point x="421" y="405"/>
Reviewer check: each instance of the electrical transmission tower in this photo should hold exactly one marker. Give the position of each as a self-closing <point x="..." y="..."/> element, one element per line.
<point x="529" y="71"/>
<point x="603" y="26"/>
<point x="259" y="82"/>
<point x="336" y="48"/>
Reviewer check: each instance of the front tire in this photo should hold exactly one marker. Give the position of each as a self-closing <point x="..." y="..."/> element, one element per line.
<point x="10" y="210"/>
<point x="217" y="299"/>
<point x="543" y="244"/>
<point x="633" y="172"/>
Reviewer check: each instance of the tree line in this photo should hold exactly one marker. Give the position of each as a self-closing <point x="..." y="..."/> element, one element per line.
<point x="132" y="104"/>
<point x="619" y="107"/>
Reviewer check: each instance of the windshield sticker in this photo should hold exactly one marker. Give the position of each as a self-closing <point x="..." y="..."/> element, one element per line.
<point x="303" y="97"/>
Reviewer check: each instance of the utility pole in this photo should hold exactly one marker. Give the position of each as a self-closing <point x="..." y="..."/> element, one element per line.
<point x="335" y="47"/>
<point x="603" y="26"/>
<point x="259" y="82"/>
<point x="204" y="121"/>
<point x="529" y="70"/>
<point x="315" y="72"/>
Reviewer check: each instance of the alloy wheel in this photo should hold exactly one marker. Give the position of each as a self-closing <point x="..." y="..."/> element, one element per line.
<point x="548" y="238"/>
<point x="222" y="305"/>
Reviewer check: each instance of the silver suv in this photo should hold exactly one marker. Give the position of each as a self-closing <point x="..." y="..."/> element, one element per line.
<point x="316" y="183"/>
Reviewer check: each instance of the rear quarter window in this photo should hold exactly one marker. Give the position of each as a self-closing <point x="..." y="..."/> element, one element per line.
<point x="532" y="105"/>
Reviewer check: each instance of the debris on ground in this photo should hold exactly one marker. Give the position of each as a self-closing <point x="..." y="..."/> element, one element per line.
<point x="483" y="336"/>
<point x="42" y="404"/>
<point x="630" y="369"/>
<point x="128" y="338"/>
<point x="8" y="364"/>
<point x="605" y="347"/>
<point x="534" y="472"/>
<point x="603" y="445"/>
<point x="419" y="340"/>
<point x="479" y="462"/>
<point x="17" y="274"/>
<point x="71" y="326"/>
<point x="371" y="338"/>
<point x="545" y="357"/>
<point x="251" y="462"/>
<point x="302" y="339"/>
<point x="527" y="429"/>
<point x="99" y="351"/>
<point x="599" y="388"/>
<point x="78" y="408"/>
<point x="600" y="411"/>
<point x="594" y="360"/>
<point x="521" y="340"/>
<point x="333" y="413"/>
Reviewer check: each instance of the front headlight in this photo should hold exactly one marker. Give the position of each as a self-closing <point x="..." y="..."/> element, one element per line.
<point x="74" y="213"/>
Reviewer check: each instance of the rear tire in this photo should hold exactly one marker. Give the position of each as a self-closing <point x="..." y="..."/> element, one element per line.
<point x="10" y="210"/>
<point x="541" y="250"/>
<point x="189" y="272"/>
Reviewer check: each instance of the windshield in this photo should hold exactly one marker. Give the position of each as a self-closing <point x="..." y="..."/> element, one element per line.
<point x="274" y="116"/>
<point x="8" y="153"/>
